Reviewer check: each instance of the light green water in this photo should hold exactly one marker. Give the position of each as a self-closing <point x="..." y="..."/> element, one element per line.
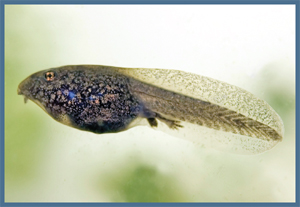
<point x="49" y="162"/>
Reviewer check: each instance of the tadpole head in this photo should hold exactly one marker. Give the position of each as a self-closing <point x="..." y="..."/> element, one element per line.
<point x="42" y="86"/>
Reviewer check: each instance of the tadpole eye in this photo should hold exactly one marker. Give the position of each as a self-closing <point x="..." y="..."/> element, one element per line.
<point x="49" y="76"/>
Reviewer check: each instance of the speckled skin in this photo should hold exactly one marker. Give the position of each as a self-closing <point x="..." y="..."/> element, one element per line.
<point x="85" y="98"/>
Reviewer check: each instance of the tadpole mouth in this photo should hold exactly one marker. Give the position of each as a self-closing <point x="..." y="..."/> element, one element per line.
<point x="21" y="86"/>
<point x="25" y="99"/>
<point x="19" y="91"/>
<point x="22" y="89"/>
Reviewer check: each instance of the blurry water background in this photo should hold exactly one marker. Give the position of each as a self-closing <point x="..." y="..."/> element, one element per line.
<point x="249" y="46"/>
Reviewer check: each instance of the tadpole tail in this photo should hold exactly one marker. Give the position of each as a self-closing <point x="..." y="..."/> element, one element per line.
<point x="183" y="108"/>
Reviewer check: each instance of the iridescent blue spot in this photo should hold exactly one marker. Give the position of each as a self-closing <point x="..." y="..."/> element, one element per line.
<point x="71" y="95"/>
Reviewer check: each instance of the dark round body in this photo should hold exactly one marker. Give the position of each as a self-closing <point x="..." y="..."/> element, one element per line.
<point x="88" y="99"/>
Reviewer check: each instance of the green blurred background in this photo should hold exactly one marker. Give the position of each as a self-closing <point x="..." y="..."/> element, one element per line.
<point x="46" y="161"/>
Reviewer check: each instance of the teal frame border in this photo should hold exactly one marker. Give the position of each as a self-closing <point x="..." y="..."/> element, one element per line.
<point x="2" y="115"/>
